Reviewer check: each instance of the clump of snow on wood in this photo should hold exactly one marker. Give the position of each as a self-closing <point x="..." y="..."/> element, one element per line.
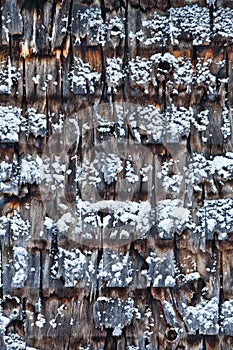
<point x="161" y="271"/>
<point x="113" y="313"/>
<point x="9" y="123"/>
<point x="202" y="169"/>
<point x="226" y="317"/>
<point x="89" y="22"/>
<point x="30" y="169"/>
<point x="172" y="217"/>
<point x="9" y="75"/>
<point x="34" y="122"/>
<point x="193" y="21"/>
<point x="20" y="256"/>
<point x="171" y="182"/>
<point x="114" y="72"/>
<point x="226" y="123"/>
<point x="75" y="267"/>
<point x="139" y="72"/>
<point x="13" y="341"/>
<point x="83" y="78"/>
<point x="158" y="27"/>
<point x="223" y="22"/>
<point x="20" y="228"/>
<point x="203" y="317"/>
<point x="215" y="217"/>
<point x="115" y="268"/>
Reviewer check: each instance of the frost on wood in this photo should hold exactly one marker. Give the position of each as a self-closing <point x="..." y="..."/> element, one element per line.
<point x="115" y="73"/>
<point x="75" y="267"/>
<point x="216" y="217"/>
<point x="20" y="228"/>
<point x="202" y="169"/>
<point x="226" y="317"/>
<point x="139" y="72"/>
<point x="34" y="123"/>
<point x="115" y="269"/>
<point x="83" y="78"/>
<point x="88" y="22"/>
<point x="113" y="313"/>
<point x="161" y="271"/>
<point x="9" y="177"/>
<point x="9" y="75"/>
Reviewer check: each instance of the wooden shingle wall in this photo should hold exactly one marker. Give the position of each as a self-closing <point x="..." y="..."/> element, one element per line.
<point x="150" y="85"/>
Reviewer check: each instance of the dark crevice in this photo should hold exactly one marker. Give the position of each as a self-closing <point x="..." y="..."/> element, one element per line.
<point x="204" y="343"/>
<point x="140" y="195"/>
<point x="41" y="274"/>
<point x="0" y="22"/>
<point x="164" y="100"/>
<point x="126" y="46"/>
<point x="138" y="27"/>
<point x="189" y="148"/>
<point x="226" y="83"/>
<point x="1" y="269"/>
<point x="64" y="61"/>
<point x="24" y="316"/>
<point x="221" y="292"/>
<point x="103" y="10"/>
<point x="70" y="183"/>
<point x="53" y="12"/>
<point x="69" y="31"/>
<point x="103" y="97"/>
<point x="110" y="341"/>
<point x="176" y="252"/>
<point x="24" y="99"/>
<point x="92" y="138"/>
<point x="154" y="189"/>
<point x="211" y="13"/>
<point x="126" y="52"/>
<point x="112" y="95"/>
<point x="69" y="26"/>
<point x="158" y="342"/>
<point x="54" y="253"/>
<point x="10" y="46"/>
<point x="71" y="327"/>
<point x="100" y="254"/>
<point x="47" y="117"/>
<point x="202" y="194"/>
<point x="124" y="335"/>
<point x="194" y="55"/>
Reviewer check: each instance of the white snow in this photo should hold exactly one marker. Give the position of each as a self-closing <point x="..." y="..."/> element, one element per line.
<point x="20" y="266"/>
<point x="9" y="123"/>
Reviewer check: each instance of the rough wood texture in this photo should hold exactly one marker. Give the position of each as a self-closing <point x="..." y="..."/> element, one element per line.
<point x="166" y="66"/>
